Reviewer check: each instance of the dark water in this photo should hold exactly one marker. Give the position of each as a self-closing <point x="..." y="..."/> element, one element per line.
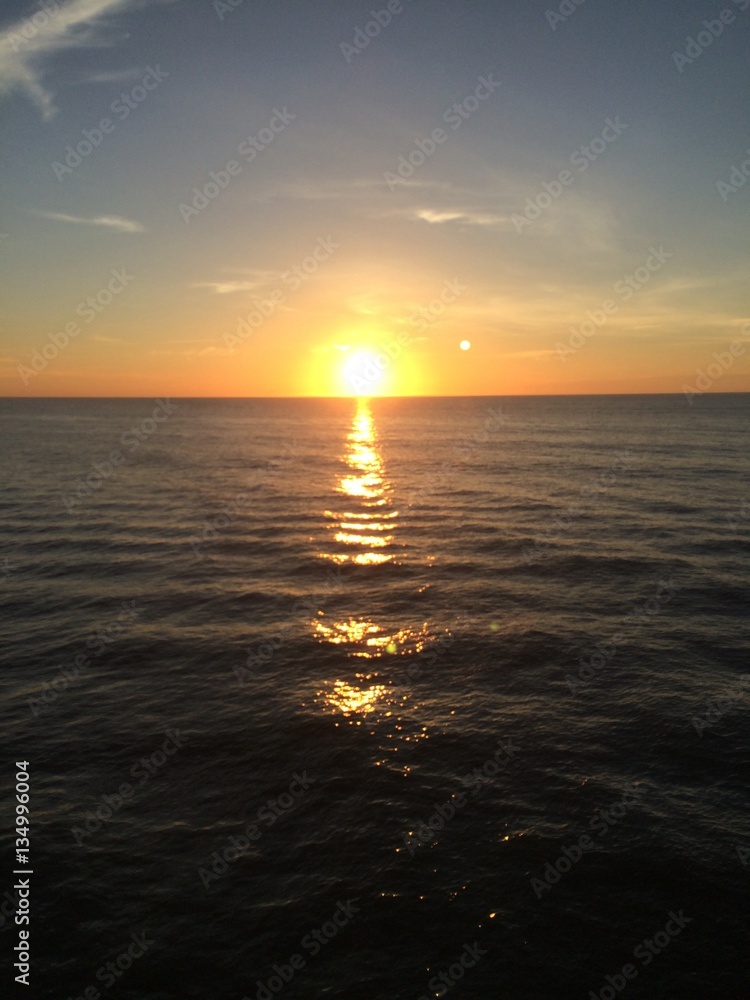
<point x="315" y="621"/>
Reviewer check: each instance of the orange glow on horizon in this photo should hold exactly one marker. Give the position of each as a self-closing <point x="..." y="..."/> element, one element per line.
<point x="327" y="356"/>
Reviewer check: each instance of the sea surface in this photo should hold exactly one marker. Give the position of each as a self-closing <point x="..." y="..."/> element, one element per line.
<point x="332" y="698"/>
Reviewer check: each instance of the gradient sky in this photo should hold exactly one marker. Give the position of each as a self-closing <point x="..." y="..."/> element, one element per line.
<point x="218" y="74"/>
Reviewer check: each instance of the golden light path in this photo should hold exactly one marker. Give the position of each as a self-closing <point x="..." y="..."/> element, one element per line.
<point x="363" y="533"/>
<point x="360" y="531"/>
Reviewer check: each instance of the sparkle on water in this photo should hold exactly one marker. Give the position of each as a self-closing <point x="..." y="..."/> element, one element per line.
<point x="364" y="534"/>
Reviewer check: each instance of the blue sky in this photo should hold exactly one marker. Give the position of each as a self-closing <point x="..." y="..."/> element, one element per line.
<point x="218" y="75"/>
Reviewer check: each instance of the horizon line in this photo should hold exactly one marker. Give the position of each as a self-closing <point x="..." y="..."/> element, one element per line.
<point x="505" y="395"/>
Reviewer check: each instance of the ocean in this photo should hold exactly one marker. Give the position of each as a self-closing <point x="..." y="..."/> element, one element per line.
<point x="378" y="699"/>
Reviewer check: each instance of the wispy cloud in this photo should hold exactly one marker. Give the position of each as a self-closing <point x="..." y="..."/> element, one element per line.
<point x="74" y="25"/>
<point x="256" y="281"/>
<point x="230" y="287"/>
<point x="466" y="217"/>
<point x="342" y="189"/>
<point x="109" y="221"/>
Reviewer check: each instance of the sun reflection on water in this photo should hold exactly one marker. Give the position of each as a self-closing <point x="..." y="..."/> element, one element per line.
<point x="363" y="536"/>
<point x="367" y="701"/>
<point x="362" y="529"/>
<point x="370" y="640"/>
<point x="350" y="700"/>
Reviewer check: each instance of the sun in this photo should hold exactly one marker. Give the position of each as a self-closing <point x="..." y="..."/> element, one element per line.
<point x="364" y="370"/>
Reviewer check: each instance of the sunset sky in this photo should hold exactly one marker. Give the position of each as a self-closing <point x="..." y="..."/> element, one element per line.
<point x="116" y="111"/>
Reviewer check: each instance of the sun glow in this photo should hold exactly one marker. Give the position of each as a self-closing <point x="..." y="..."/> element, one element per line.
<point x="364" y="372"/>
<point x="366" y="362"/>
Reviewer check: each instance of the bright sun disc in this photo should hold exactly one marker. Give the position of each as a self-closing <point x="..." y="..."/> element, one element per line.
<point x="465" y="345"/>
<point x="362" y="373"/>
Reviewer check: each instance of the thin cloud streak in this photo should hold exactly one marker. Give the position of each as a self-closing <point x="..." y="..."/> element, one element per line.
<point x="109" y="221"/>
